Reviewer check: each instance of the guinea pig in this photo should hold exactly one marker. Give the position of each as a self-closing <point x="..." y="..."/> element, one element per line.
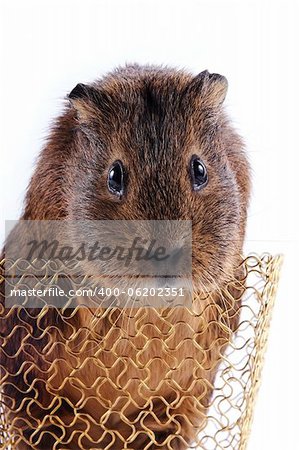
<point x="142" y="143"/>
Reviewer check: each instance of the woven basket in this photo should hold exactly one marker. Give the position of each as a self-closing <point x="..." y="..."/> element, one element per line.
<point x="134" y="398"/>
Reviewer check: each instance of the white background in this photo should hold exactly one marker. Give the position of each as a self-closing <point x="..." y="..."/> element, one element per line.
<point x="49" y="46"/>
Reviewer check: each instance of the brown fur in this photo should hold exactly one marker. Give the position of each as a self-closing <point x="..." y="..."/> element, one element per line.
<point x="153" y="119"/>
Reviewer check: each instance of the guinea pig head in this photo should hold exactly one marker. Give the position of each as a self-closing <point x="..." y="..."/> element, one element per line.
<point x="149" y="143"/>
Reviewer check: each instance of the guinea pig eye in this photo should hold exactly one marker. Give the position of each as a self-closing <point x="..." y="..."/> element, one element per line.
<point x="199" y="174"/>
<point x="116" y="179"/>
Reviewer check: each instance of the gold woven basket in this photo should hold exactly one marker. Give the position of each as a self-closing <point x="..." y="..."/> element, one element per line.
<point x="133" y="364"/>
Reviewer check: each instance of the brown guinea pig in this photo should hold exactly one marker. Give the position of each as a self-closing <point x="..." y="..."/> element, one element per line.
<point x="142" y="143"/>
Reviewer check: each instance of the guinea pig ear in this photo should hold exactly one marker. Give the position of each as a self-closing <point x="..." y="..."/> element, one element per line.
<point x="212" y="87"/>
<point x="84" y="98"/>
<point x="84" y="92"/>
<point x="79" y="91"/>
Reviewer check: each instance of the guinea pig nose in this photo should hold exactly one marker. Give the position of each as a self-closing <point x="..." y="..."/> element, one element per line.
<point x="176" y="256"/>
<point x="171" y="264"/>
